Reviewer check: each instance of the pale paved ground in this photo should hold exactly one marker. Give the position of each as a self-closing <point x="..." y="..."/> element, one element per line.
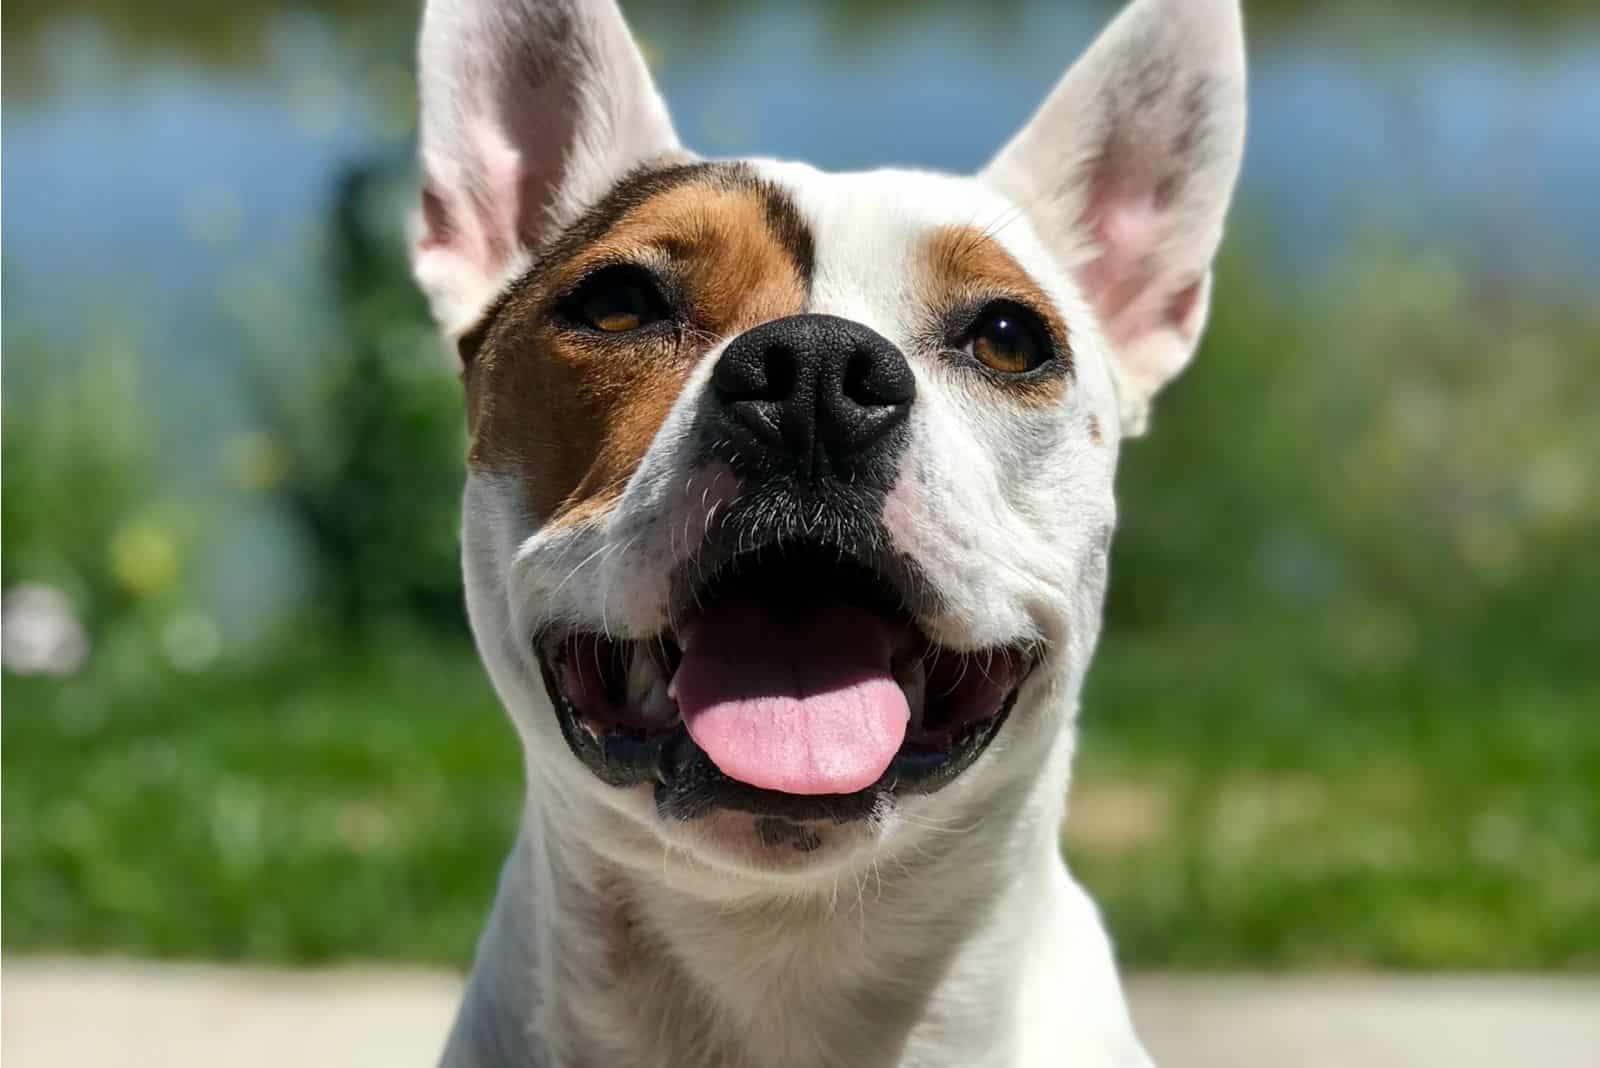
<point x="119" y="1015"/>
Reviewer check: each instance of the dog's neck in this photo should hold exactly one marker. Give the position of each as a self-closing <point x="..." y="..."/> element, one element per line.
<point x="917" y="960"/>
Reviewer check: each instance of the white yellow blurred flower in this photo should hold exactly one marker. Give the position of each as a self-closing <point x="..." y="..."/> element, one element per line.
<point x="39" y="632"/>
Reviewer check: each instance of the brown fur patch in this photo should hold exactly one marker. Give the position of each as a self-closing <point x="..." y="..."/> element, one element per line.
<point x="572" y="411"/>
<point x="1094" y="429"/>
<point x="964" y="269"/>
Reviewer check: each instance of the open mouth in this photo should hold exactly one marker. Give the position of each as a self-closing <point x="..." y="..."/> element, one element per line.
<point x="797" y="685"/>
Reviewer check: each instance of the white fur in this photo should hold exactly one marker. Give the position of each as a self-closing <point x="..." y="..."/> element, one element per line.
<point x="948" y="933"/>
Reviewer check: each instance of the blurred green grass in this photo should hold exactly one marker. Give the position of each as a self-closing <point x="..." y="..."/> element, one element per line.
<point x="1248" y="813"/>
<point x="327" y="801"/>
<point x="1344" y="713"/>
<point x="334" y="801"/>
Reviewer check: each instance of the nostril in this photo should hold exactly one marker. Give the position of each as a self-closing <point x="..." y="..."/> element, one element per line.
<point x="856" y="375"/>
<point x="779" y="362"/>
<point x="874" y="378"/>
<point x="766" y="373"/>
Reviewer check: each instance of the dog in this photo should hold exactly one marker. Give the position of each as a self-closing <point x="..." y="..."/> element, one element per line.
<point x="785" y="532"/>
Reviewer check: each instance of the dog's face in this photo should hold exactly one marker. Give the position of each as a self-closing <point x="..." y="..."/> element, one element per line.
<point x="790" y="493"/>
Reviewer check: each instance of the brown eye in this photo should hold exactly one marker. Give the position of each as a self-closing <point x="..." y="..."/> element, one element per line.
<point x="1008" y="338"/>
<point x="616" y="300"/>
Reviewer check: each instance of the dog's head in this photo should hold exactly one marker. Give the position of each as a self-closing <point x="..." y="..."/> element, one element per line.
<point x="789" y="493"/>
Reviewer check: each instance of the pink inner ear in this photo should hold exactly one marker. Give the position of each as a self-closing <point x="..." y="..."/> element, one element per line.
<point x="438" y="228"/>
<point x="498" y="199"/>
<point x="1134" y="212"/>
<point x="475" y="211"/>
<point x="1183" y="310"/>
<point x="1121" y="279"/>
<point x="1151" y="307"/>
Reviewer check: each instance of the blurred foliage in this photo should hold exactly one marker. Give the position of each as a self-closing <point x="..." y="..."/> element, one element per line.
<point x="1411" y="457"/>
<point x="225" y="36"/>
<point x="235" y="35"/>
<point x="374" y="441"/>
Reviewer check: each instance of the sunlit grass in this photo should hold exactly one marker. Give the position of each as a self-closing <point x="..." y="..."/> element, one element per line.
<point x="324" y="804"/>
<point x="1232" y="807"/>
<point x="339" y="803"/>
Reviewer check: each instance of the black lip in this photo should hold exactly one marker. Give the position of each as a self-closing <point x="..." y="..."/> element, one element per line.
<point x="620" y="758"/>
<point x="689" y="786"/>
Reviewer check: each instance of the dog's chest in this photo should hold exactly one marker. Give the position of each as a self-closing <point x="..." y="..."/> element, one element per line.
<point x="736" y="990"/>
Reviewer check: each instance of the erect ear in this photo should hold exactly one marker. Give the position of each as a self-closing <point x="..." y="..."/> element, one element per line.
<point x="531" y="110"/>
<point x="1126" y="172"/>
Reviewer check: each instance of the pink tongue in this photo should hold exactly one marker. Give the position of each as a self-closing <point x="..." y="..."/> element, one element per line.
<point x="802" y="705"/>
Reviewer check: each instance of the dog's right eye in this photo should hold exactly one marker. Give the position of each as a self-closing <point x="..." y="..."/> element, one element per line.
<point x="1008" y="338"/>
<point x="616" y="300"/>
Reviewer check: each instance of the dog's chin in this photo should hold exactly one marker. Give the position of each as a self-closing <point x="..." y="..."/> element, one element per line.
<point x="778" y="723"/>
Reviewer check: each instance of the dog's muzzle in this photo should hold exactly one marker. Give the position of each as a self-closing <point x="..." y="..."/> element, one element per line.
<point x="795" y="679"/>
<point x="794" y="684"/>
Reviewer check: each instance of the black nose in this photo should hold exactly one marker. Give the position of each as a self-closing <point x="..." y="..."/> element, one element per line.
<point x="816" y="393"/>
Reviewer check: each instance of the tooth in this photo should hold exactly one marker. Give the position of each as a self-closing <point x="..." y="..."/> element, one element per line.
<point x="912" y="675"/>
<point x="658" y="706"/>
<point x="642" y="675"/>
<point x="647" y="690"/>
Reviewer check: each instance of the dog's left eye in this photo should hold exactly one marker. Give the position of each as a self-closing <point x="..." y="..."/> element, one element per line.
<point x="1009" y="338"/>
<point x="616" y="300"/>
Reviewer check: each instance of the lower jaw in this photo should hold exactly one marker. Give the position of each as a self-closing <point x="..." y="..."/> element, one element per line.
<point x="688" y="785"/>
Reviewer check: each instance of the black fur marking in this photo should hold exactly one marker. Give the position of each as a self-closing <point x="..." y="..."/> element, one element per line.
<point x="790" y="228"/>
<point x="650" y="180"/>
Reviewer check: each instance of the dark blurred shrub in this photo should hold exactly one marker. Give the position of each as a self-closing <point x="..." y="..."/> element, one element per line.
<point x="373" y="434"/>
